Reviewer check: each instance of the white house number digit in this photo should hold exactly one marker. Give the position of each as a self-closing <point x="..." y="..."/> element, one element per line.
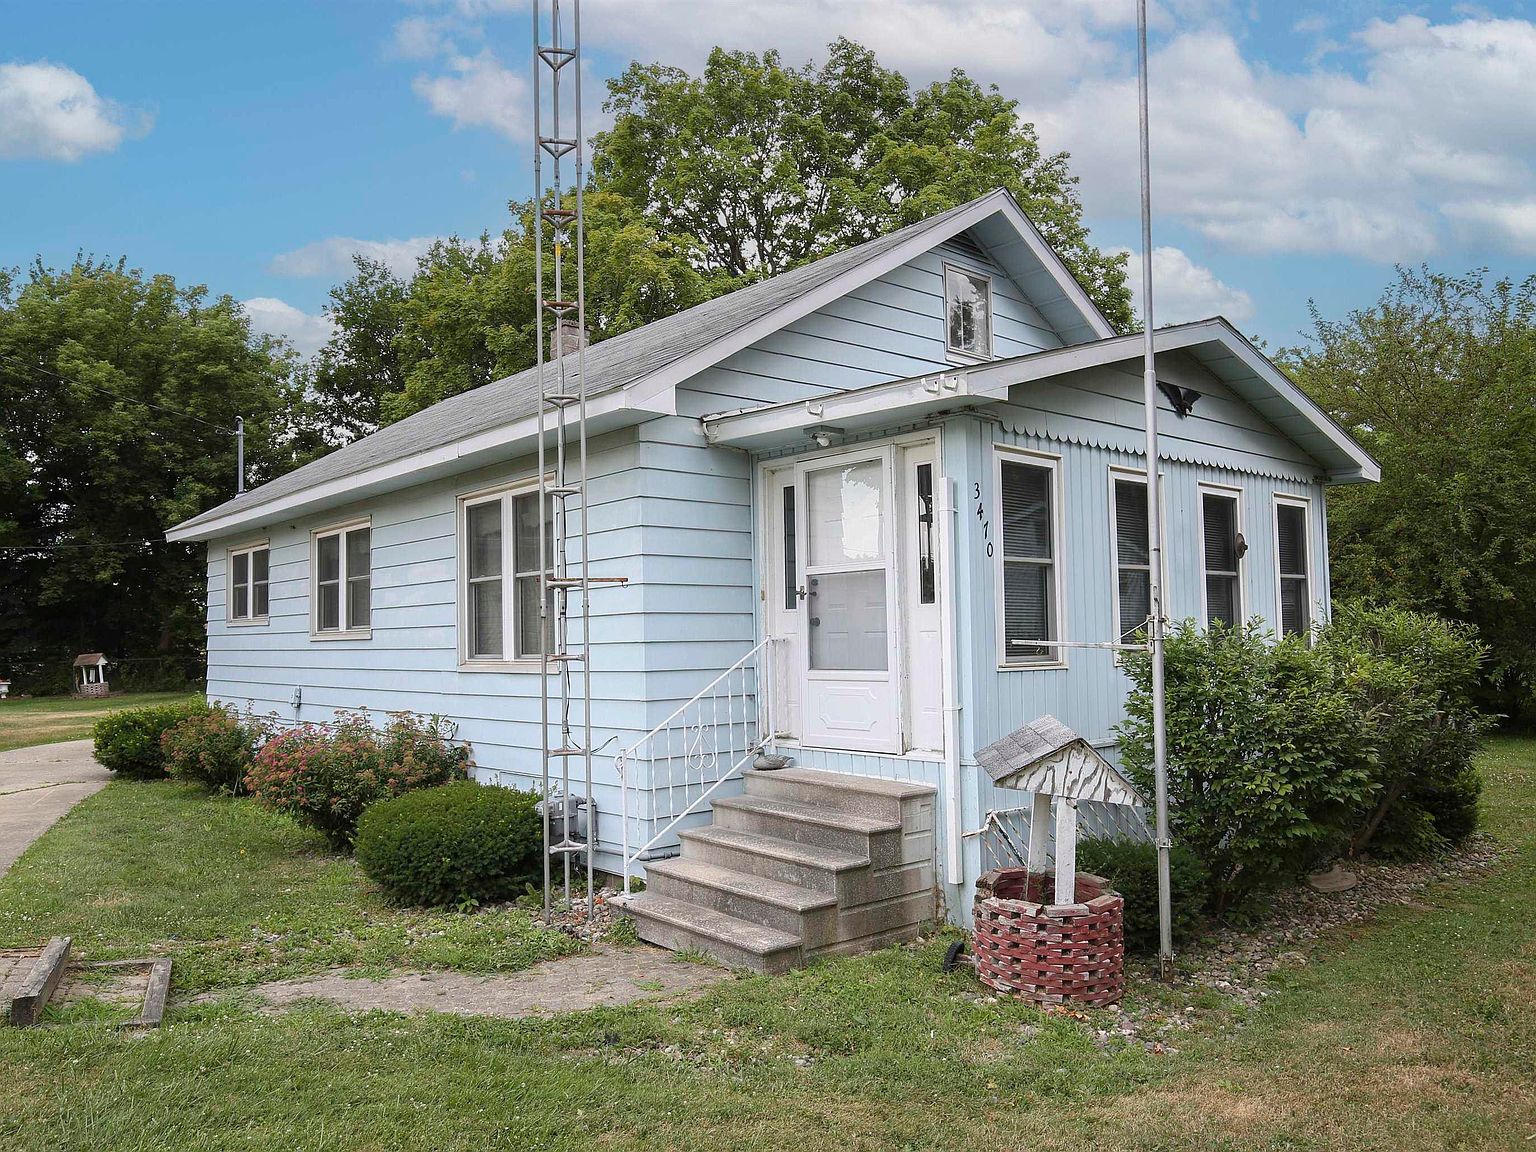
<point x="981" y="518"/>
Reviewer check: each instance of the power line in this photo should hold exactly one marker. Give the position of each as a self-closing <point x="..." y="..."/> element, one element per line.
<point x="19" y="362"/>
<point x="66" y="547"/>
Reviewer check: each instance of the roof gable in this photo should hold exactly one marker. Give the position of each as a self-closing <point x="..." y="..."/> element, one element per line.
<point x="648" y="362"/>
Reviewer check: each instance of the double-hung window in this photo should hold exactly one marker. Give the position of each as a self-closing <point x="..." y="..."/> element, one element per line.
<point x="499" y="590"/>
<point x="1223" y="546"/>
<point x="249" y="569"/>
<point x="1132" y="556"/>
<point x="341" y="584"/>
<point x="1029" y="566"/>
<point x="1291" y="567"/>
<point x="967" y="313"/>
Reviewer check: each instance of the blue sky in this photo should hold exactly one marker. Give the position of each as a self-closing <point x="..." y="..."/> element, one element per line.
<point x="1300" y="149"/>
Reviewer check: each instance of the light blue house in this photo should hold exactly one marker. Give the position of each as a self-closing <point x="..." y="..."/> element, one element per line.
<point x="868" y="508"/>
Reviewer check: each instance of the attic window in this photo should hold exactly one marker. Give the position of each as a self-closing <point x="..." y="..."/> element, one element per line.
<point x="968" y="312"/>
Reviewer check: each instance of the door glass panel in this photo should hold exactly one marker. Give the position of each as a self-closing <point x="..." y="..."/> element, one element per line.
<point x="791" y="561"/>
<point x="926" y="584"/>
<point x="846" y="509"/>
<point x="847" y="622"/>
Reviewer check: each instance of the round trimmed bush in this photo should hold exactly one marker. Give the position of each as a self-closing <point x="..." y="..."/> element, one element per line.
<point x="450" y="845"/>
<point x="128" y="742"/>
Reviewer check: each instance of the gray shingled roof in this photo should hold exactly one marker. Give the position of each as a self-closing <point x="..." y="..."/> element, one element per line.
<point x="611" y="364"/>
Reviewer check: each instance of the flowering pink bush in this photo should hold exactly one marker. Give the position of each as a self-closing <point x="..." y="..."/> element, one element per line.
<point x="325" y="776"/>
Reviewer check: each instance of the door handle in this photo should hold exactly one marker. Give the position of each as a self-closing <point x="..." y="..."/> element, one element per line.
<point x="815" y="621"/>
<point x="801" y="593"/>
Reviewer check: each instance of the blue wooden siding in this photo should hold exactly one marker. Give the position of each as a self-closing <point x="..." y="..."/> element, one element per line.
<point x="676" y="517"/>
<point x="891" y="328"/>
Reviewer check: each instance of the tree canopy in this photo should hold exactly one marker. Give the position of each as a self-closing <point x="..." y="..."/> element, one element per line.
<point x="1438" y="380"/>
<point x="702" y="185"/>
<point x="120" y="393"/>
<point x="769" y="166"/>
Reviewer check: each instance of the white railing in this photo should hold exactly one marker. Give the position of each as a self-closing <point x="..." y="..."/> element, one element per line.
<point x="689" y="755"/>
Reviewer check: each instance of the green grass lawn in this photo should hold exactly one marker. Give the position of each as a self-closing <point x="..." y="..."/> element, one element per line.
<point x="1417" y="1031"/>
<point x="50" y="719"/>
<point x="235" y="894"/>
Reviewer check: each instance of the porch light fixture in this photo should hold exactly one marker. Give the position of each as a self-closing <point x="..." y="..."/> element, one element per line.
<point x="822" y="436"/>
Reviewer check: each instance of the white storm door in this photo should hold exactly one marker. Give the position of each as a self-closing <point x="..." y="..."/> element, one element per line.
<point x="850" y="696"/>
<point x="923" y="645"/>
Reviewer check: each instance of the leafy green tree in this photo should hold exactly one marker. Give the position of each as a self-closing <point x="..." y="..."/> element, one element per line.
<point x="769" y="166"/>
<point x="1438" y="380"/>
<point x="466" y="317"/>
<point x="120" y="393"/>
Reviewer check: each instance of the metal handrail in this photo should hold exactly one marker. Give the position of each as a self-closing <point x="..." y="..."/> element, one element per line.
<point x="699" y="746"/>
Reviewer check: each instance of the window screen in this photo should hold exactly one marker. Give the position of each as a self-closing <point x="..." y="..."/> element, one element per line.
<point x="1291" y="561"/>
<point x="1133" y="557"/>
<point x="1029" y="568"/>
<point x="1223" y="599"/>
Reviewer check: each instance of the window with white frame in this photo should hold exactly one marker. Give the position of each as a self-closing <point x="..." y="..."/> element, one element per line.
<point x="499" y="600"/>
<point x="968" y="312"/>
<point x="249" y="569"/>
<point x="1030" y="571"/>
<point x="1291" y="567"/>
<point x="1223" y="545"/>
<point x="341" y="565"/>
<point x="1132" y="556"/>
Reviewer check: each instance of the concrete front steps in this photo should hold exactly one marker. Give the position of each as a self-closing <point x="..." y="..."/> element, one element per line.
<point x="807" y="863"/>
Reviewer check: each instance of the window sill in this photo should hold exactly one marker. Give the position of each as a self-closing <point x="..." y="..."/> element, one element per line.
<point x="1041" y="666"/>
<point x="353" y="634"/>
<point x="249" y="622"/>
<point x="499" y="665"/>
<point x="958" y="356"/>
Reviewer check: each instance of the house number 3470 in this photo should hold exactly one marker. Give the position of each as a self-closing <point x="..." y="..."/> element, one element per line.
<point x="981" y="518"/>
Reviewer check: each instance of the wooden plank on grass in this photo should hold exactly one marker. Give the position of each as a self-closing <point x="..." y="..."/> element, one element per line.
<point x="27" y="1007"/>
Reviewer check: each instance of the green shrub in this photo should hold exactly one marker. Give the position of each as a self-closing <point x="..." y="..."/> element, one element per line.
<point x="214" y="749"/>
<point x="1131" y="868"/>
<point x="1268" y="758"/>
<point x="446" y="846"/>
<point x="326" y="777"/>
<point x="1416" y="679"/>
<point x="128" y="742"/>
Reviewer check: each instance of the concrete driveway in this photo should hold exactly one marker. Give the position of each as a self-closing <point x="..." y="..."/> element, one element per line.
<point x="37" y="786"/>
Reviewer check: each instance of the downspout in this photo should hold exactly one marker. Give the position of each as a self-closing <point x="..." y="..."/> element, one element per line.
<point x="948" y="513"/>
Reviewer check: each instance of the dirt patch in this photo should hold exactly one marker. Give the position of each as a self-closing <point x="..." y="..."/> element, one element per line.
<point x="604" y="977"/>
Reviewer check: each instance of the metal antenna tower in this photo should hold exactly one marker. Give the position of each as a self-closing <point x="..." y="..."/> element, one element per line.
<point x="565" y="687"/>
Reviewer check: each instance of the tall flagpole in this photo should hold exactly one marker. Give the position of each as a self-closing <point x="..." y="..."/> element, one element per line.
<point x="1154" y="520"/>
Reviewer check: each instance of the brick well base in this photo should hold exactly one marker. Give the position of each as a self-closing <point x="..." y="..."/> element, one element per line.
<point x="1050" y="953"/>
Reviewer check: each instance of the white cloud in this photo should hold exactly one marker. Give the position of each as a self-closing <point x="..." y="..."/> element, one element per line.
<point x="1370" y="165"/>
<point x="1514" y="220"/>
<point x="49" y="112"/>
<point x="306" y="331"/>
<point x="479" y="91"/>
<point x="333" y="256"/>
<point x="1395" y="135"/>
<point x="1183" y="290"/>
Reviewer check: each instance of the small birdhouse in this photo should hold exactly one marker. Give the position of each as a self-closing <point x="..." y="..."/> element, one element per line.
<point x="91" y="674"/>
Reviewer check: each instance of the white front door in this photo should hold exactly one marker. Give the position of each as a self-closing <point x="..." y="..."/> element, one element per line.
<point x="849" y="620"/>
<point x="923" y="645"/>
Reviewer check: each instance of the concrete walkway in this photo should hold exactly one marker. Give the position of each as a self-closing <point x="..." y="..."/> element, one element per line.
<point x="37" y="786"/>
<point x="605" y="977"/>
